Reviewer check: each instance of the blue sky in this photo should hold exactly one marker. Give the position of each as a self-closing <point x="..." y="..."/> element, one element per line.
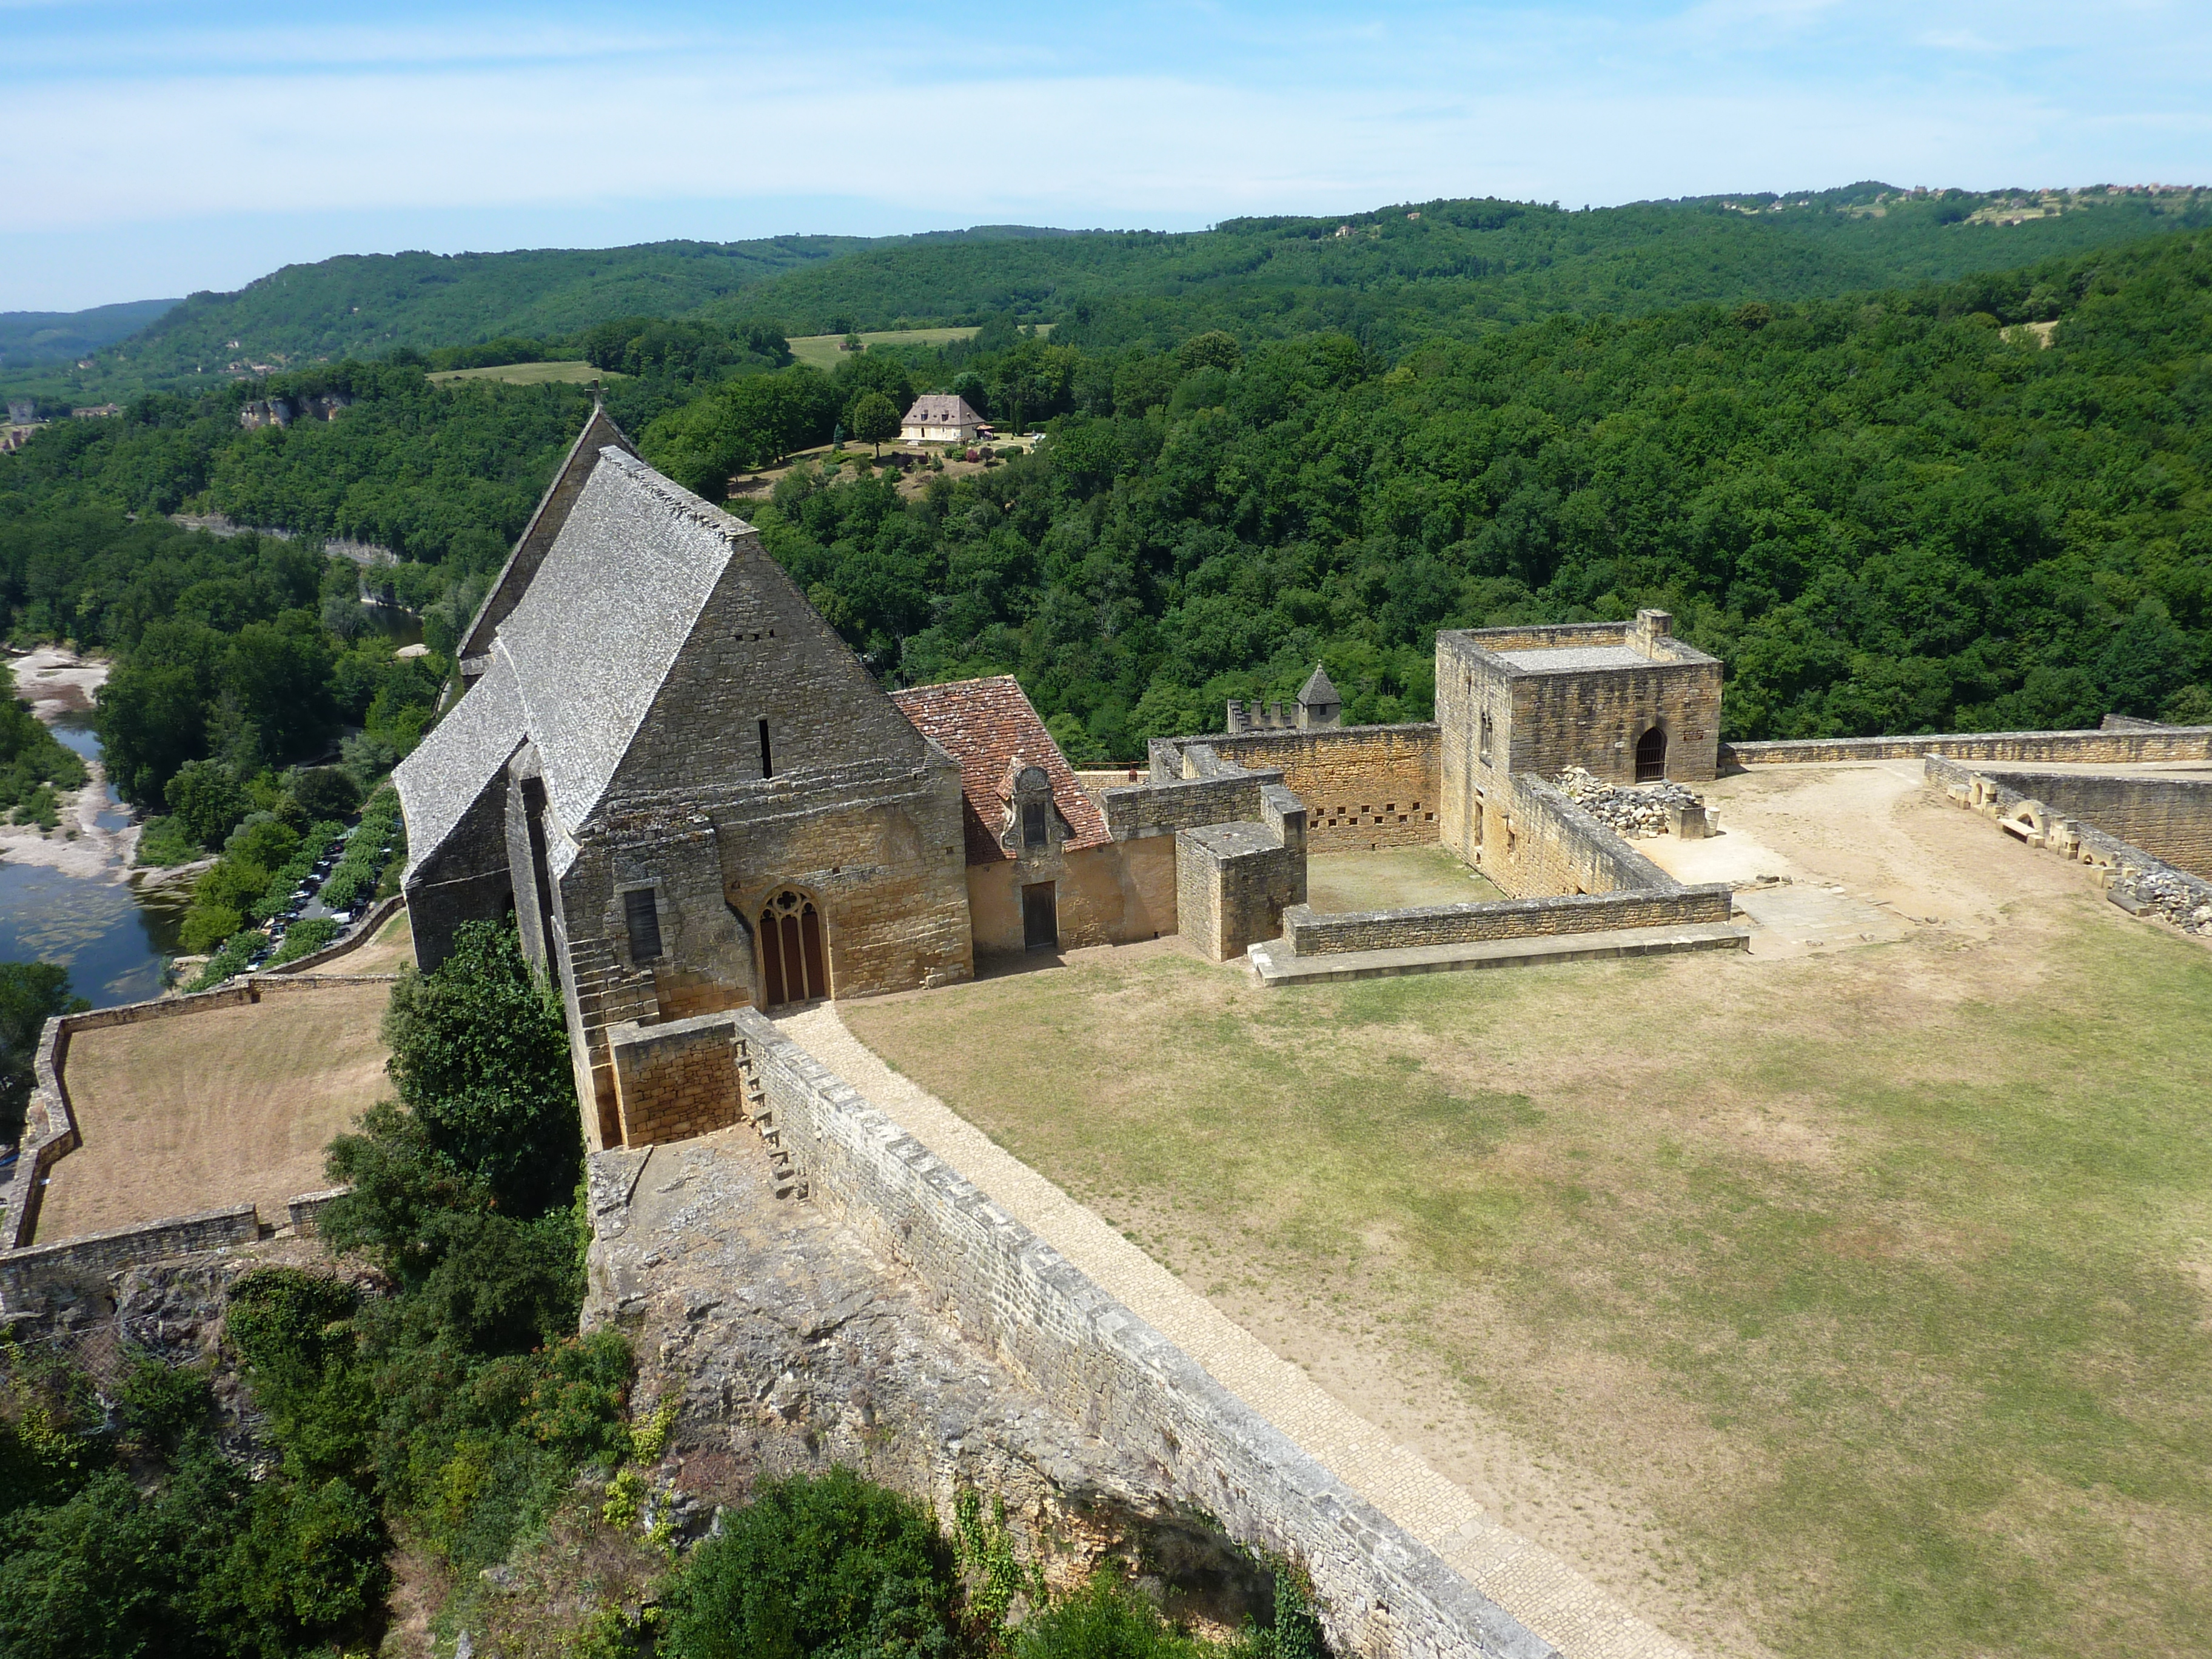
<point x="157" y="149"/>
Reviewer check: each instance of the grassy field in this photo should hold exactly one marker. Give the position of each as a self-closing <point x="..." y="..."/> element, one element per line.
<point x="1865" y="1297"/>
<point x="822" y="350"/>
<point x="528" y="374"/>
<point x="1396" y="879"/>
<point x="214" y="1108"/>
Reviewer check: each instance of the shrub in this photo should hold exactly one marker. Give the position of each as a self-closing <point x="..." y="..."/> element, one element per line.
<point x="166" y="841"/>
<point x="1104" y="1620"/>
<point x="829" y="1566"/>
<point x="304" y="938"/>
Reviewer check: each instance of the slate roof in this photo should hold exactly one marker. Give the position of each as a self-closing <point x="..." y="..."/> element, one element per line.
<point x="983" y="725"/>
<point x="576" y="664"/>
<point x="941" y="409"/>
<point x="538" y="536"/>
<point x="604" y="621"/>
<point x="441" y="779"/>
<point x="1317" y="688"/>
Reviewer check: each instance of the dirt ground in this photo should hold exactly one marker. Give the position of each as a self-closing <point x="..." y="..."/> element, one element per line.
<point x="1841" y="1296"/>
<point x="208" y="1109"/>
<point x="1398" y="878"/>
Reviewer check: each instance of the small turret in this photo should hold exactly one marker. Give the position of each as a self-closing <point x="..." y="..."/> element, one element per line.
<point x="1320" y="709"/>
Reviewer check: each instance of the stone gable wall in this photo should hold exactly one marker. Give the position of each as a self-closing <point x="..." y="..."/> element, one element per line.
<point x="1383" y="1593"/>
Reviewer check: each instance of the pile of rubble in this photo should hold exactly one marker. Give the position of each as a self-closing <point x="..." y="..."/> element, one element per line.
<point x="2182" y="901"/>
<point x="1637" y="811"/>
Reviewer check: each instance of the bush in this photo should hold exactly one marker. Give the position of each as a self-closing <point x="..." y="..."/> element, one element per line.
<point x="163" y="842"/>
<point x="304" y="938"/>
<point x="829" y="1566"/>
<point x="1104" y="1620"/>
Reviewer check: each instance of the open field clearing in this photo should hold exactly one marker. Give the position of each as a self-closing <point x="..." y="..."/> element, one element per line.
<point x="572" y="373"/>
<point x="824" y="350"/>
<point x="206" y="1109"/>
<point x="1816" y="1301"/>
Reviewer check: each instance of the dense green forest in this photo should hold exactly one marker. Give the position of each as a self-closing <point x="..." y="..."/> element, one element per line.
<point x="1894" y="513"/>
<point x="1889" y="512"/>
<point x="1456" y="268"/>
<point x="1395" y="275"/>
<point x="364" y="304"/>
<point x="31" y="337"/>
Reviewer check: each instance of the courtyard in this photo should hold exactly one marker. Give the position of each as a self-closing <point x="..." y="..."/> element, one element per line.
<point x="225" y="1106"/>
<point x="1850" y="1294"/>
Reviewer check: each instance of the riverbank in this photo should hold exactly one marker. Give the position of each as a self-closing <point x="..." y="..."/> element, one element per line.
<point x="96" y="839"/>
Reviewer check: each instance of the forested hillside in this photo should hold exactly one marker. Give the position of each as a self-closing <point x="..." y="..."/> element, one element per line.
<point x="1893" y="512"/>
<point x="1454" y="268"/>
<point x="1888" y="514"/>
<point x="366" y="304"/>
<point x="31" y="337"/>
<point x="1394" y="275"/>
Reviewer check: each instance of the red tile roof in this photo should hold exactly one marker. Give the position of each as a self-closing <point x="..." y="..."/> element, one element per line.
<point x="984" y="725"/>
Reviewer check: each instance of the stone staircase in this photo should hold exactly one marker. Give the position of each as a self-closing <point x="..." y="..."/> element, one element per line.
<point x="787" y="1178"/>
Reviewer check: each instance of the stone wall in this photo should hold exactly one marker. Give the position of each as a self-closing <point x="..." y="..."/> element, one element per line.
<point x="1382" y="1593"/>
<point x="1233" y="882"/>
<point x="1167" y="807"/>
<point x="2170" y="818"/>
<point x="674" y="1081"/>
<point x="2115" y="747"/>
<point x="1314" y="933"/>
<point x="2137" y="880"/>
<point x="1365" y="788"/>
<point x="23" y="1271"/>
<point x="1110" y="895"/>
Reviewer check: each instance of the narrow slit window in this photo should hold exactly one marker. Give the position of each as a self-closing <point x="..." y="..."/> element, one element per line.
<point x="1032" y="824"/>
<point x="643" y="916"/>
<point x="767" y="761"/>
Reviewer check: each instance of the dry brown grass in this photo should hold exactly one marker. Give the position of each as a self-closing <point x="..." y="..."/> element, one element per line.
<point x="230" y="1106"/>
<point x="1816" y="1302"/>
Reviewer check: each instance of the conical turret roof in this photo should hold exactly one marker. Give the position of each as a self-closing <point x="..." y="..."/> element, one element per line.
<point x="1318" y="691"/>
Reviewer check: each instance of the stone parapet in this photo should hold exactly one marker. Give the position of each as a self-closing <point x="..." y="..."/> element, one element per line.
<point x="1380" y="1591"/>
<point x="674" y="1081"/>
<point x="1312" y="934"/>
<point x="23" y="1271"/>
<point x="2117" y="746"/>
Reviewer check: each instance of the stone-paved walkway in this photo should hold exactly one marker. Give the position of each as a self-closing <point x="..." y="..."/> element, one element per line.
<point x="1526" y="1580"/>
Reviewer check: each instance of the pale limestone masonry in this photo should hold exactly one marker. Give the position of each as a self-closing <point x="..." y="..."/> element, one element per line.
<point x="1416" y="1521"/>
<point x="1383" y="1593"/>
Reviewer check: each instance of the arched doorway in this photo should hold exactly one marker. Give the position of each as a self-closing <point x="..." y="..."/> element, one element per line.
<point x="793" y="968"/>
<point x="1651" y="756"/>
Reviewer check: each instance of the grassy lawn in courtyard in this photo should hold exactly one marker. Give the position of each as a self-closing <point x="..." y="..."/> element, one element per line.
<point x="1396" y="878"/>
<point x="220" y="1107"/>
<point x="1879" y="1281"/>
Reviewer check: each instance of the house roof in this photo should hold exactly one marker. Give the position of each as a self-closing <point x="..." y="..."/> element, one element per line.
<point x="441" y="779"/>
<point x="985" y="726"/>
<point x="941" y="409"/>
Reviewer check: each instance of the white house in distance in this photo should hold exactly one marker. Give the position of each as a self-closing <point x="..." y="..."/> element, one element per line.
<point x="940" y="417"/>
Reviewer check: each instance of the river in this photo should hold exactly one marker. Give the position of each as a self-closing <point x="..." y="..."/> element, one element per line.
<point x="69" y="901"/>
